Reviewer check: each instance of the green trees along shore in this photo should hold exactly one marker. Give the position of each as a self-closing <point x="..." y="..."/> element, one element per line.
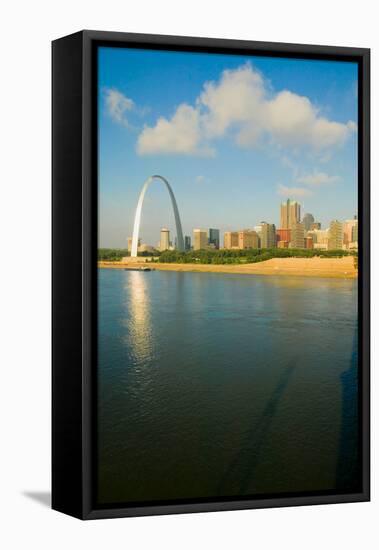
<point x="223" y="256"/>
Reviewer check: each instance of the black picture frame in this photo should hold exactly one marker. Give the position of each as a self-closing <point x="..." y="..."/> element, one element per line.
<point x="74" y="293"/>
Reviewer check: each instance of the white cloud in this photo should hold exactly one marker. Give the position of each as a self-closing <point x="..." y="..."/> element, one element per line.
<point x="181" y="134"/>
<point x="242" y="105"/>
<point x="293" y="191"/>
<point x="294" y="121"/>
<point x="117" y="105"/>
<point x="235" y="100"/>
<point x="317" y="178"/>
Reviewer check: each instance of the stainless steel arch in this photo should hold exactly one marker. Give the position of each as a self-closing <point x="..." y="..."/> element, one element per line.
<point x="137" y="218"/>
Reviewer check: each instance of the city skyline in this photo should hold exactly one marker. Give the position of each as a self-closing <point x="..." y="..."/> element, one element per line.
<point x="241" y="227"/>
<point x="222" y="139"/>
<point x="296" y="230"/>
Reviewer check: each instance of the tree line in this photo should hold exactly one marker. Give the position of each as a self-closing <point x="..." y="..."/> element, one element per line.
<point x="223" y="256"/>
<point x="116" y="254"/>
<point x="253" y="255"/>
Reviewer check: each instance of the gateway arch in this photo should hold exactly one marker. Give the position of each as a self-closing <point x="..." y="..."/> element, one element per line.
<point x="137" y="218"/>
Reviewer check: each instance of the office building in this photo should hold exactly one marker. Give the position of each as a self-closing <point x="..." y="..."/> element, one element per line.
<point x="350" y="232"/>
<point x="230" y="239"/>
<point x="258" y="230"/>
<point x="289" y="214"/>
<point x="187" y="242"/>
<point x="214" y="238"/>
<point x="308" y="220"/>
<point x="164" y="243"/>
<point x="335" y="235"/>
<point x="320" y="238"/>
<point x="247" y="239"/>
<point x="200" y="239"/>
<point x="146" y="248"/>
<point x="297" y="235"/>
<point x="267" y="235"/>
<point x="283" y="236"/>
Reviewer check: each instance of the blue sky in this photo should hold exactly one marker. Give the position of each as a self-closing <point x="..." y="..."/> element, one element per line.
<point x="234" y="135"/>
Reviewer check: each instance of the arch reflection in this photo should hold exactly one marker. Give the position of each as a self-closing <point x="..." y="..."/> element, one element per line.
<point x="139" y="322"/>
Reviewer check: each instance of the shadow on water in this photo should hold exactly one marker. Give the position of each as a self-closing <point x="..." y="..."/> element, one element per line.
<point x="242" y="469"/>
<point x="347" y="474"/>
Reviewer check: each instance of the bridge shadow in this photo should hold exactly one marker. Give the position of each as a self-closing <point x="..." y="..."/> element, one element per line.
<point x="243" y="468"/>
<point x="348" y="463"/>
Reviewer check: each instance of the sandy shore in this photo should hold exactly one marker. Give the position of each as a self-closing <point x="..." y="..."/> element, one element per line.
<point x="342" y="268"/>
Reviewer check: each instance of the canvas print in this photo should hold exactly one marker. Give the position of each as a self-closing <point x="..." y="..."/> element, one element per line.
<point x="227" y="325"/>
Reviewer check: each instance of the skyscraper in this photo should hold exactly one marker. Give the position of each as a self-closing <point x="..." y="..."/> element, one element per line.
<point x="164" y="243"/>
<point x="289" y="214"/>
<point x="200" y="239"/>
<point x="267" y="235"/>
<point x="187" y="242"/>
<point x="335" y="235"/>
<point x="230" y="239"/>
<point x="308" y="220"/>
<point x="214" y="237"/>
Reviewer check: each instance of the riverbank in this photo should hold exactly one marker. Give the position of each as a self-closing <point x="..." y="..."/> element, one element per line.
<point x="340" y="268"/>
